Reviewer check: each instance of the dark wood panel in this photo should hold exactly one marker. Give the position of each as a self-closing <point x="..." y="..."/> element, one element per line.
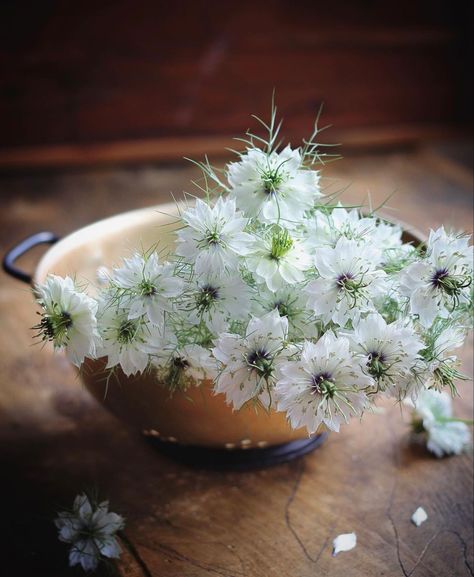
<point x="101" y="71"/>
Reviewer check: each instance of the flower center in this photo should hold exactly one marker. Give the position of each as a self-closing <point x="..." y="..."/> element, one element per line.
<point x="54" y="327"/>
<point x="126" y="331"/>
<point x="207" y="295"/>
<point x="282" y="308"/>
<point x="281" y="244"/>
<point x="272" y="179"/>
<point x="377" y="364"/>
<point x="261" y="361"/>
<point x="147" y="288"/>
<point x="450" y="284"/>
<point x="174" y="374"/>
<point x="323" y="384"/>
<point x="349" y="284"/>
<point x="180" y="363"/>
<point x="213" y="238"/>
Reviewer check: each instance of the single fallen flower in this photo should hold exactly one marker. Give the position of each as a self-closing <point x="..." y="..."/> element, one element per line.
<point x="419" y="516"/>
<point x="433" y="420"/>
<point x="344" y="542"/>
<point x="90" y="528"/>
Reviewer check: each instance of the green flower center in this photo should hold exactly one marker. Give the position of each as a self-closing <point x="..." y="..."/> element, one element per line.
<point x="126" y="331"/>
<point x="271" y="179"/>
<point x="206" y="296"/>
<point x="213" y="238"/>
<point x="147" y="288"/>
<point x="54" y="326"/>
<point x="376" y="365"/>
<point x="281" y="244"/>
<point x="323" y="384"/>
<point x="450" y="284"/>
<point x="262" y="362"/>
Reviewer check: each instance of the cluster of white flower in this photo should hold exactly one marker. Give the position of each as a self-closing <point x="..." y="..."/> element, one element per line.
<point x="279" y="296"/>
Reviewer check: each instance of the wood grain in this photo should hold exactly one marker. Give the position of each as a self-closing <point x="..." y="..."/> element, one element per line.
<point x="55" y="440"/>
<point x="89" y="73"/>
<point x="170" y="149"/>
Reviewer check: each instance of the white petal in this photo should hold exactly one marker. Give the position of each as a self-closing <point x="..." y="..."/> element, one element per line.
<point x="419" y="516"/>
<point x="344" y="542"/>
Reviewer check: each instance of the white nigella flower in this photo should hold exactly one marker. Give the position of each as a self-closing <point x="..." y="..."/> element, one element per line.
<point x="126" y="342"/>
<point x="325" y="386"/>
<point x="326" y="228"/>
<point x="442" y="338"/>
<point x="213" y="237"/>
<point x="347" y="284"/>
<point x="278" y="259"/>
<point x="440" y="282"/>
<point x="149" y="286"/>
<point x="180" y="366"/>
<point x="391" y="353"/>
<point x="68" y="318"/>
<point x="91" y="532"/>
<point x="273" y="187"/>
<point x="249" y="363"/>
<point x="290" y="303"/>
<point x="432" y="417"/>
<point x="216" y="298"/>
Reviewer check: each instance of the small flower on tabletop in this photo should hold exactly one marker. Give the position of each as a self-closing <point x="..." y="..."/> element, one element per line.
<point x="326" y="385"/>
<point x="68" y="318"/>
<point x="213" y="237"/>
<point x="91" y="530"/>
<point x="439" y="283"/>
<point x="249" y="363"/>
<point x="273" y="187"/>
<point x="433" y="419"/>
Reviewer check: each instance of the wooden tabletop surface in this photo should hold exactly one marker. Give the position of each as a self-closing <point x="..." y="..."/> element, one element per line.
<point x="56" y="441"/>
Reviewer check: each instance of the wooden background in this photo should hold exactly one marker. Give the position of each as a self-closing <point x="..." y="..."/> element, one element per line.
<point x="82" y="82"/>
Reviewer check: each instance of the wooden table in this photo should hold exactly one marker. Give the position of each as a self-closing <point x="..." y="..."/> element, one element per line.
<point x="56" y="441"/>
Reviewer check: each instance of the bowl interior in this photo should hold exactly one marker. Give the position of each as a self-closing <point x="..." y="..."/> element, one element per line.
<point x="107" y="241"/>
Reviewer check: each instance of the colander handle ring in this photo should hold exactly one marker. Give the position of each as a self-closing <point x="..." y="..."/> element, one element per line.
<point x="20" y="249"/>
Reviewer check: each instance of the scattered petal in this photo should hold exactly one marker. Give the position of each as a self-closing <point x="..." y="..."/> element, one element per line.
<point x="419" y="516"/>
<point x="344" y="542"/>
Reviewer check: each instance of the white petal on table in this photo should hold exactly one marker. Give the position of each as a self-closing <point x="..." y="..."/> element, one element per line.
<point x="344" y="542"/>
<point x="419" y="516"/>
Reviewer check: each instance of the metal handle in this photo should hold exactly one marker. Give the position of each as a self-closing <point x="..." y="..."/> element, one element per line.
<point x="23" y="247"/>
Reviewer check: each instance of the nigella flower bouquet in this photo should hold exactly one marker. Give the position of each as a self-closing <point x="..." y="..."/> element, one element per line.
<point x="277" y="294"/>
